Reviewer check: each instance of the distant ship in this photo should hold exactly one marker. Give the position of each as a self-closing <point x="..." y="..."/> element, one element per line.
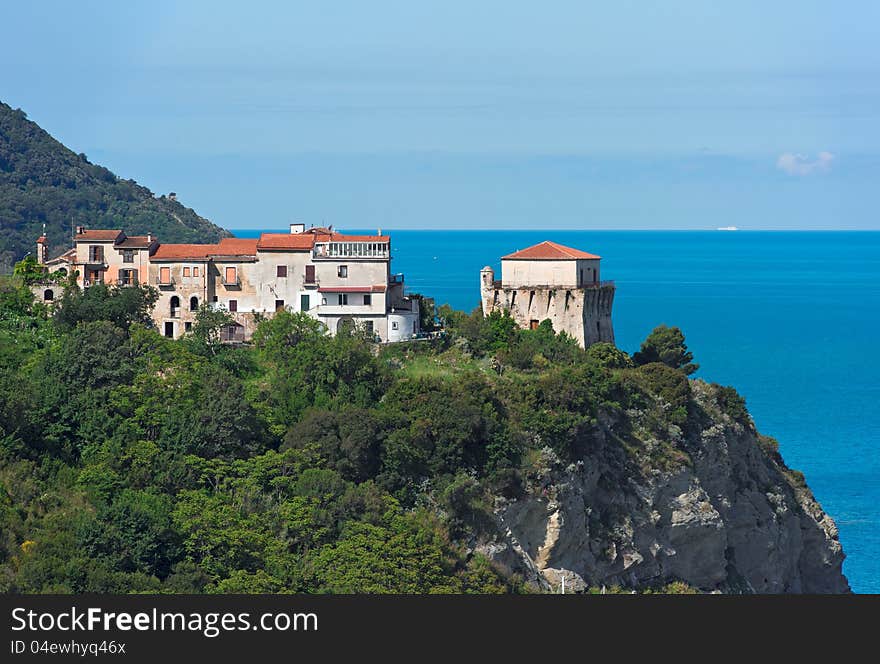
<point x="728" y="228"/>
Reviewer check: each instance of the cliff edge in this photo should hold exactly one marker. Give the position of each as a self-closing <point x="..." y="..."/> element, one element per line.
<point x="711" y="504"/>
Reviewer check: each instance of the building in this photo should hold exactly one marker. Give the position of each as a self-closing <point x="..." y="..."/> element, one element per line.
<point x="550" y="281"/>
<point x="341" y="280"/>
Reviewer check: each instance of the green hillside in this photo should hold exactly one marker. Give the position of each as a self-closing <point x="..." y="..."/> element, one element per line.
<point x="41" y="181"/>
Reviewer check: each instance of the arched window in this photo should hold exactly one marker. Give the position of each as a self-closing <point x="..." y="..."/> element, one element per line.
<point x="175" y="305"/>
<point x="62" y="271"/>
<point x="193" y="303"/>
<point x="48" y="295"/>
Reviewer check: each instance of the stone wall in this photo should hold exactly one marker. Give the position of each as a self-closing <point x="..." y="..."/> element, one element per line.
<point x="584" y="313"/>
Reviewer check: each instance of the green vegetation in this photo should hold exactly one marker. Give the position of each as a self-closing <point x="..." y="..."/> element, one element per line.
<point x="299" y="463"/>
<point x="43" y="182"/>
<point x="666" y="345"/>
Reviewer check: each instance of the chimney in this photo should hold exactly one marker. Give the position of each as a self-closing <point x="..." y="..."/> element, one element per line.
<point x="149" y="237"/>
<point x="296" y="229"/>
<point x="80" y="230"/>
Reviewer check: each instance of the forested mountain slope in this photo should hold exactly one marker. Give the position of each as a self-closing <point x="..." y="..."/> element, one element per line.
<point x="42" y="181"/>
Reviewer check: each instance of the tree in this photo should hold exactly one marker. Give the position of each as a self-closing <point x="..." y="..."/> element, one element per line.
<point x="28" y="270"/>
<point x="666" y="345"/>
<point x="120" y="305"/>
<point x="609" y="356"/>
<point x="305" y="368"/>
<point x="210" y="321"/>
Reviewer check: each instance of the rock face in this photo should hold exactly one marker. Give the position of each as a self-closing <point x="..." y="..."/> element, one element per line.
<point x="717" y="510"/>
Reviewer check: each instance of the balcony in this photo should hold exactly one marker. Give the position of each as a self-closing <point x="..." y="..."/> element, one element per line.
<point x="168" y="283"/>
<point x="351" y="251"/>
<point x="312" y="282"/>
<point x="231" y="283"/>
<point x="232" y="334"/>
<point x="348" y="310"/>
<point x="127" y="282"/>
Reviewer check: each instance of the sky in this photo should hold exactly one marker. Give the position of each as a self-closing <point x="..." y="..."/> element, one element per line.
<point x="491" y="114"/>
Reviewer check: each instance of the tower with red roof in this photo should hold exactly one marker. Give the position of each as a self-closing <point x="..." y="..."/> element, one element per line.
<point x="555" y="282"/>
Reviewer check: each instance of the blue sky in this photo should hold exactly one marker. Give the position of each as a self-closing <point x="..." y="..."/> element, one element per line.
<point x="681" y="114"/>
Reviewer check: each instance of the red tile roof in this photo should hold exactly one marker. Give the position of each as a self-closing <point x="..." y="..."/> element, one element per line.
<point x="289" y="241"/>
<point x="97" y="235"/>
<point x="306" y="240"/>
<point x="135" y="242"/>
<point x="549" y="251"/>
<point x="233" y="246"/>
<point x="67" y="257"/>
<point x="166" y="252"/>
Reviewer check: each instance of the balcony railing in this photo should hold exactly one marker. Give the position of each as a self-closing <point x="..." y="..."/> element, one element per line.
<point x="395" y="279"/>
<point x="126" y="282"/>
<point x="164" y="284"/>
<point x="312" y="282"/>
<point x="231" y="283"/>
<point x="232" y="334"/>
<point x="351" y="250"/>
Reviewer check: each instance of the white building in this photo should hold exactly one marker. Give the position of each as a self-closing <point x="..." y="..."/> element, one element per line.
<point x="551" y="281"/>
<point x="341" y="280"/>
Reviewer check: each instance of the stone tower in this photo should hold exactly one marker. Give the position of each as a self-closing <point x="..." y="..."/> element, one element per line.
<point x="42" y="248"/>
<point x="550" y="281"/>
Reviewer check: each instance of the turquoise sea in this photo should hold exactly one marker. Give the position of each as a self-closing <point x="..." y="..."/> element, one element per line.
<point x="791" y="319"/>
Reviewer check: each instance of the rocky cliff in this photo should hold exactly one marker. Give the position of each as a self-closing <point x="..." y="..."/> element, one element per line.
<point x="713" y="506"/>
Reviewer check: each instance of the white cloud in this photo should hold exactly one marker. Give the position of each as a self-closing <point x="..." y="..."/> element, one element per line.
<point x="798" y="164"/>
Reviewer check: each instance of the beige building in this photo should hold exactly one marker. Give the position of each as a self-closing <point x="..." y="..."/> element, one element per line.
<point x="550" y="281"/>
<point x="341" y="280"/>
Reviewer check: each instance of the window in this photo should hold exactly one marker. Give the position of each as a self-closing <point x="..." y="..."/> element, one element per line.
<point x="128" y="277"/>
<point x="48" y="295"/>
<point x="368" y="299"/>
<point x="394" y="325"/>
<point x="169" y="330"/>
<point x="304" y="303"/>
<point x="281" y="271"/>
<point x="368" y="327"/>
<point x="96" y="253"/>
<point x="323" y="300"/>
<point x="195" y="271"/>
<point x="279" y="305"/>
<point x="186" y="272"/>
<point x="175" y="305"/>
<point x="187" y="326"/>
<point x="193" y="303"/>
<point x="343" y="298"/>
<point x="128" y="256"/>
<point x="310" y="274"/>
<point x="231" y="276"/>
<point x="165" y="275"/>
<point x="214" y="299"/>
<point x="233" y="305"/>
<point x="342" y="271"/>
